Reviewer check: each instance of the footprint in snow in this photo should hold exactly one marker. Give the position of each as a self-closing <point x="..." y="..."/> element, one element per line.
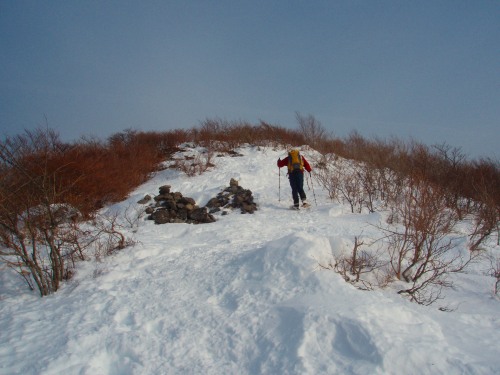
<point x="353" y="341"/>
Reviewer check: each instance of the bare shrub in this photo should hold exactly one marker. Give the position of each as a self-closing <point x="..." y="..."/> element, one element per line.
<point x="30" y="193"/>
<point x="222" y="135"/>
<point x="486" y="222"/>
<point x="421" y="249"/>
<point x="447" y="172"/>
<point x="133" y="215"/>
<point x="40" y="234"/>
<point x="312" y="130"/>
<point x="108" y="171"/>
<point x="277" y="136"/>
<point x="195" y="165"/>
<point x="359" y="262"/>
<point x="351" y="190"/>
<point x="106" y="236"/>
<point x="211" y="132"/>
<point x="487" y="208"/>
<point x="328" y="174"/>
<point x="347" y="182"/>
<point x="494" y="271"/>
<point x="356" y="264"/>
<point x="370" y="180"/>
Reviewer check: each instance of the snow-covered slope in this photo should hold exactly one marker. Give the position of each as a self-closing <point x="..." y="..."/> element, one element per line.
<point x="243" y="295"/>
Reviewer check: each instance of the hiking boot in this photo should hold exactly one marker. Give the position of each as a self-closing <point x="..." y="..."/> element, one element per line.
<point x="305" y="204"/>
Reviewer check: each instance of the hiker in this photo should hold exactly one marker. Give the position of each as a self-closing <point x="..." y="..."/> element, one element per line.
<point x="296" y="164"/>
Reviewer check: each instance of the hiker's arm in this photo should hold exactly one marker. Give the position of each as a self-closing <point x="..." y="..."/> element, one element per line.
<point x="282" y="163"/>
<point x="307" y="166"/>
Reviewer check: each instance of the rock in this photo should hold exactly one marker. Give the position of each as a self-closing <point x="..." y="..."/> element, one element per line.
<point x="248" y="208"/>
<point x="173" y="207"/>
<point x="165" y="189"/>
<point x="214" y="202"/>
<point x="201" y="215"/>
<point x="182" y="215"/>
<point x="233" y="196"/>
<point x="233" y="153"/>
<point x="162" y="197"/>
<point x="169" y="204"/>
<point x="145" y="200"/>
<point x="161" y="216"/>
<point x="186" y="200"/>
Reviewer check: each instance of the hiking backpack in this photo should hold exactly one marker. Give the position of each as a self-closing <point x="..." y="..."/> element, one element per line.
<point x="295" y="162"/>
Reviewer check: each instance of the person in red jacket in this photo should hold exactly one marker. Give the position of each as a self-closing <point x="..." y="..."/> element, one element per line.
<point x="296" y="164"/>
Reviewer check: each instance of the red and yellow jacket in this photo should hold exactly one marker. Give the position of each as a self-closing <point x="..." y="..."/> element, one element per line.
<point x="284" y="163"/>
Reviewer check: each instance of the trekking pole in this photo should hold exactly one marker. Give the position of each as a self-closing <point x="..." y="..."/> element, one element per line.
<point x="279" y="185"/>
<point x="314" y="194"/>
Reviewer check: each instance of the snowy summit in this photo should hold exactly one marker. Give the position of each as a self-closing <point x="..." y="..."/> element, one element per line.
<point x="246" y="294"/>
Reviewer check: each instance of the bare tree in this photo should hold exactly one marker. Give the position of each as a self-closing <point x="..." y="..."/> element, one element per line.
<point x="311" y="129"/>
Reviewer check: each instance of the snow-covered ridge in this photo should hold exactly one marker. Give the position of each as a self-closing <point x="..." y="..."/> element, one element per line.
<point x="243" y="295"/>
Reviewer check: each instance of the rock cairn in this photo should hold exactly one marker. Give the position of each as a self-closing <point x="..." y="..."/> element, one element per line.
<point x="175" y="208"/>
<point x="233" y="197"/>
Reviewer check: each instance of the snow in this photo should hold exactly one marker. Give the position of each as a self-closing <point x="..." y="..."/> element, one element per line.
<point x="243" y="295"/>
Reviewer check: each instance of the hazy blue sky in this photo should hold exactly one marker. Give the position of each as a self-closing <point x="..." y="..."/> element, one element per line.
<point x="422" y="69"/>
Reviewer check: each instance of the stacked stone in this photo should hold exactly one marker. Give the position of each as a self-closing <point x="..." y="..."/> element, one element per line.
<point x="233" y="197"/>
<point x="173" y="207"/>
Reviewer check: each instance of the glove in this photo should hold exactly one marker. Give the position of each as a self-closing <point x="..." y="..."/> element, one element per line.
<point x="278" y="162"/>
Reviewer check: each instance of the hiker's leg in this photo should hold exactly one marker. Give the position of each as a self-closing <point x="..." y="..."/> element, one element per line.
<point x="300" y="186"/>
<point x="294" y="185"/>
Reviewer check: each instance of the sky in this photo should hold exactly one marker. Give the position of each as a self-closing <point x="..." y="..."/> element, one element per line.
<point x="423" y="70"/>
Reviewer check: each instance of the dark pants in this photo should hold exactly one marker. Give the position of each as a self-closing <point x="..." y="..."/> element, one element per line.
<point x="297" y="184"/>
